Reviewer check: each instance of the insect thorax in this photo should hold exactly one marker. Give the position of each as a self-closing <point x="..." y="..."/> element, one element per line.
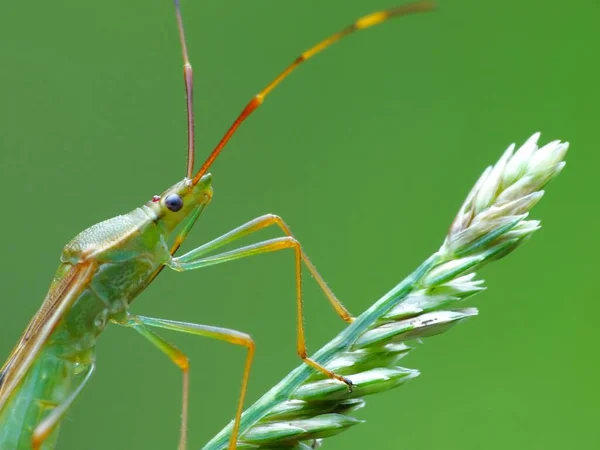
<point x="126" y="250"/>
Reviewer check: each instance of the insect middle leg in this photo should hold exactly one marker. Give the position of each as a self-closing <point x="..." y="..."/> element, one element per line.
<point x="193" y="260"/>
<point x="143" y="324"/>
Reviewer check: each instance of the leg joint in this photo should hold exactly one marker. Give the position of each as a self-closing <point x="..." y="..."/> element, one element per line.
<point x="183" y="362"/>
<point x="273" y="217"/>
<point x="294" y="242"/>
<point x="280" y="223"/>
<point x="175" y="265"/>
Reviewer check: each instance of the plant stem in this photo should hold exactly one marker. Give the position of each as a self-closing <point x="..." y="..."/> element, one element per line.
<point x="342" y="342"/>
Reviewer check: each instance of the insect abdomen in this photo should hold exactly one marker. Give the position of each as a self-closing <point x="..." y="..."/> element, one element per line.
<point x="48" y="383"/>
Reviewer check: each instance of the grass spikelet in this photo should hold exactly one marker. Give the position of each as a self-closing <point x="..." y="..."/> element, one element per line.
<point x="305" y="407"/>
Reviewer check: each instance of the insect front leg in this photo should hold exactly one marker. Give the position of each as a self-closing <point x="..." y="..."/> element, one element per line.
<point x="260" y="223"/>
<point x="193" y="260"/>
<point x="143" y="324"/>
<point x="48" y="425"/>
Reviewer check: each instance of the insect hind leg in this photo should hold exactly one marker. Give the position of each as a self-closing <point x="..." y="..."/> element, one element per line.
<point x="47" y="426"/>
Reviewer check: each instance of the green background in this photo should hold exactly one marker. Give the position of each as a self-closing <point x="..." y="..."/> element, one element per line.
<point x="367" y="152"/>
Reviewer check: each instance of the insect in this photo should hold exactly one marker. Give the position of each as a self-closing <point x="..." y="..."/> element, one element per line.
<point x="104" y="268"/>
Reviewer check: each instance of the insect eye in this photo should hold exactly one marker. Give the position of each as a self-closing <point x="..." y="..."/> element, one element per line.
<point x="174" y="202"/>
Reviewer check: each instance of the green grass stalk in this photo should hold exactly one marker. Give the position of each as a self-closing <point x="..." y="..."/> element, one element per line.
<point x="304" y="407"/>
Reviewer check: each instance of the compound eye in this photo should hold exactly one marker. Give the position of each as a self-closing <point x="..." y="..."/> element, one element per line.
<point x="174" y="202"/>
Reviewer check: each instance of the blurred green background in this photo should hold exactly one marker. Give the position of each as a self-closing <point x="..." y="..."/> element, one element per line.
<point x="367" y="151"/>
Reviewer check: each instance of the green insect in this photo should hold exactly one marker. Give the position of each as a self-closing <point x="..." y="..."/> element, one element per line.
<point x="108" y="265"/>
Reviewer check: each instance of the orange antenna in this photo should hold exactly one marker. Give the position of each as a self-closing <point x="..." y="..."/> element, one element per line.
<point x="188" y="77"/>
<point x="362" y="23"/>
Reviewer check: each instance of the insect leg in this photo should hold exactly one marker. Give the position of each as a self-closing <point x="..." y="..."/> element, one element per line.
<point x="260" y="223"/>
<point x="142" y="324"/>
<point x="179" y="359"/>
<point x="187" y="262"/>
<point x="47" y="426"/>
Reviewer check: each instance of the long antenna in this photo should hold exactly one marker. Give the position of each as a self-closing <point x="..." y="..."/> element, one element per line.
<point x="188" y="77"/>
<point x="362" y="23"/>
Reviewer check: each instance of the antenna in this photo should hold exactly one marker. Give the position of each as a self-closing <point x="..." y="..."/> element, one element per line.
<point x="188" y="77"/>
<point x="361" y="24"/>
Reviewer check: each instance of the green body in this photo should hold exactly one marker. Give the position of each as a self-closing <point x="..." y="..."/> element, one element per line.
<point x="125" y="252"/>
<point x="53" y="376"/>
